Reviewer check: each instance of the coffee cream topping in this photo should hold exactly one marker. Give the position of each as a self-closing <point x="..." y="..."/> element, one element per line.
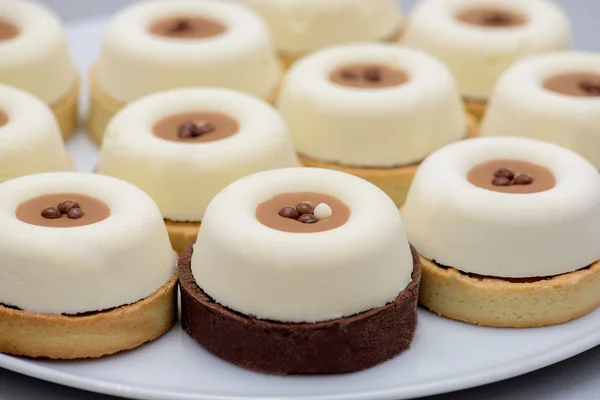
<point x="196" y="127"/>
<point x="299" y="212"/>
<point x="368" y="76"/>
<point x="62" y="210"/>
<point x="581" y="84"/>
<point x="511" y="176"/>
<point x="7" y="30"/>
<point x="491" y="18"/>
<point x="187" y="28"/>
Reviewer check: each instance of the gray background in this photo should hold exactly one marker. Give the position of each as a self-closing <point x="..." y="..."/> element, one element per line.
<point x="574" y="379"/>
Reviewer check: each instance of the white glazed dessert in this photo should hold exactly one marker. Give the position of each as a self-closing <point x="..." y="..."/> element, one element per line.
<point x="517" y="238"/>
<point x="339" y="116"/>
<point x="30" y="138"/>
<point x="479" y="40"/>
<point x="264" y="254"/>
<point x="553" y="97"/>
<point x="35" y="57"/>
<point x="156" y="45"/>
<point x="74" y="243"/>
<point x="301" y="26"/>
<point x="229" y="135"/>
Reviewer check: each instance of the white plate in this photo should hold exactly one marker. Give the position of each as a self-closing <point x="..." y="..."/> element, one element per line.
<point x="445" y="355"/>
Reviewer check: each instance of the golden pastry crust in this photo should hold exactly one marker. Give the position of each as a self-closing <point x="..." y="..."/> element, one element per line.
<point x="182" y="234"/>
<point x="476" y="108"/>
<point x="500" y="303"/>
<point x="393" y="181"/>
<point x="66" y="112"/>
<point x="104" y="107"/>
<point x="90" y="336"/>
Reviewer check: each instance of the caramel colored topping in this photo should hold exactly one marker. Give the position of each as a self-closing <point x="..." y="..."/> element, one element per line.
<point x="293" y="212"/>
<point x="368" y="76"/>
<point x="580" y="84"/>
<point x="491" y="18"/>
<point x="3" y="118"/>
<point x="511" y="176"/>
<point x="196" y="127"/>
<point x="187" y="28"/>
<point x="62" y="210"/>
<point x="7" y="30"/>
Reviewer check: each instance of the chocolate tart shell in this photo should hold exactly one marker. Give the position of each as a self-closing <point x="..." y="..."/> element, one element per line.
<point x="338" y="346"/>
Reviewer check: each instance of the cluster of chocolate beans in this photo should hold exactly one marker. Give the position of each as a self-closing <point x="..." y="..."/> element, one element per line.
<point x="181" y="25"/>
<point x="371" y="74"/>
<point x="505" y="177"/>
<point x="303" y="212"/>
<point x="590" y="88"/>
<point x="190" y="130"/>
<point x="69" y="208"/>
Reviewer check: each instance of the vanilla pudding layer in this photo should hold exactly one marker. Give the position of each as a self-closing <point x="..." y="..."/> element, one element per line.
<point x="301" y="26"/>
<point x="371" y="127"/>
<point x="30" y="140"/>
<point x="521" y="106"/>
<point x="52" y="270"/>
<point x="37" y="59"/>
<point x="135" y="62"/>
<point x="480" y="231"/>
<point x="183" y="177"/>
<point x="244" y="265"/>
<point x="478" y="55"/>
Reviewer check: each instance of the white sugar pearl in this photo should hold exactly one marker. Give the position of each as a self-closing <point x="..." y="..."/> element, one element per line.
<point x="323" y="211"/>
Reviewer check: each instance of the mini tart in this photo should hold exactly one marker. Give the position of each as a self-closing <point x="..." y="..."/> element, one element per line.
<point x="31" y="139"/>
<point x="395" y="182"/>
<point x="478" y="41"/>
<point x="39" y="59"/>
<point x="181" y="175"/>
<point x="523" y="242"/>
<point x="180" y="44"/>
<point x="73" y="286"/>
<point x="542" y="97"/>
<point x="253" y="295"/>
<point x="500" y="303"/>
<point x="375" y="127"/>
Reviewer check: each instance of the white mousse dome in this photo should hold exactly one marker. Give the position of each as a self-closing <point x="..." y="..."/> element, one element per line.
<point x="134" y="62"/>
<point x="478" y="55"/>
<point x="117" y="261"/>
<point x="521" y="106"/>
<point x="375" y="127"/>
<point x="302" y="277"/>
<point x="30" y="140"/>
<point x="182" y="177"/>
<point x="301" y="26"/>
<point x="37" y="59"/>
<point x="480" y="231"/>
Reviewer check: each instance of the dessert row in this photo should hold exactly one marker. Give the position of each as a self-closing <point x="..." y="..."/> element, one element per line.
<point x="302" y="270"/>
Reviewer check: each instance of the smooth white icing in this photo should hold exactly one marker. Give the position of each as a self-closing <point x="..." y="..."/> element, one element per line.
<point x="135" y="62"/>
<point x="114" y="262"/>
<point x="182" y="177"/>
<point x="300" y="26"/>
<point x="30" y="142"/>
<point x="37" y="60"/>
<point x="478" y="55"/>
<point x="521" y="106"/>
<point x="302" y="277"/>
<point x="371" y="127"/>
<point x="455" y="223"/>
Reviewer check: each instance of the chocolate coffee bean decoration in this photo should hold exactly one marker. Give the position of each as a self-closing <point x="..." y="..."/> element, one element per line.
<point x="66" y="206"/>
<point x="51" y="213"/>
<point x="75" y="213"/>
<point x="289" y="212"/>
<point x="523" y="179"/>
<point x="304" y="208"/>
<point x="501" y="181"/>
<point x="372" y="74"/>
<point x="308" y="219"/>
<point x="504" y="173"/>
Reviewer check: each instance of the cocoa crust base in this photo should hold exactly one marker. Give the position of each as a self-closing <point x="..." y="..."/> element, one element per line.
<point x="339" y="346"/>
<point x="89" y="336"/>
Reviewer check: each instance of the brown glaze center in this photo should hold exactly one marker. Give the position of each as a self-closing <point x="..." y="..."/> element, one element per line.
<point x="196" y="127"/>
<point x="60" y="210"/>
<point x="269" y="212"/>
<point x="580" y="84"/>
<point x="3" y="118"/>
<point x="187" y="27"/>
<point x="368" y="76"/>
<point x="491" y="18"/>
<point x="7" y="30"/>
<point x="511" y="176"/>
